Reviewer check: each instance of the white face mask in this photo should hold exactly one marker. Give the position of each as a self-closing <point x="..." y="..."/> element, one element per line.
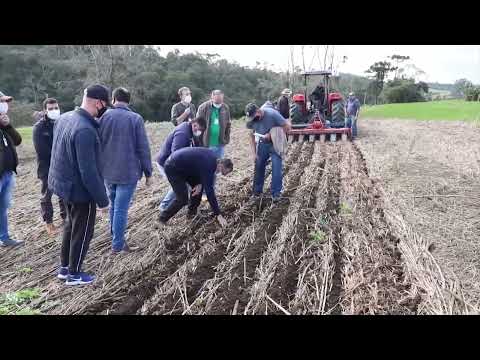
<point x="53" y="114"/>
<point x="197" y="133"/>
<point x="218" y="106"/>
<point x="187" y="99"/>
<point x="3" y="107"/>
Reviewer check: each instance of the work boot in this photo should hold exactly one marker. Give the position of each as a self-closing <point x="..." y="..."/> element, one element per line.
<point x="51" y="229"/>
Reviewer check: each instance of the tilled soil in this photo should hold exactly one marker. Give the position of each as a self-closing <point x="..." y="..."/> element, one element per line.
<point x="326" y="248"/>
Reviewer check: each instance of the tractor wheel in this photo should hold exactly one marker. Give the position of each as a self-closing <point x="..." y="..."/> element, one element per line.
<point x="297" y="115"/>
<point x="338" y="114"/>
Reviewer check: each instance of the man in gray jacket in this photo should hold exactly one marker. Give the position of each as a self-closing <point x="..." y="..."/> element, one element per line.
<point x="125" y="158"/>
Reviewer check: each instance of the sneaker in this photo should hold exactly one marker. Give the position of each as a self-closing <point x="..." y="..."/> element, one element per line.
<point x="79" y="279"/>
<point x="10" y="242"/>
<point x="130" y="248"/>
<point x="63" y="273"/>
<point x="126" y="249"/>
<point x="161" y="220"/>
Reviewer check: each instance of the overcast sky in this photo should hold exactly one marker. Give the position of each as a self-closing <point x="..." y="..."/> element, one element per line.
<point x="441" y="63"/>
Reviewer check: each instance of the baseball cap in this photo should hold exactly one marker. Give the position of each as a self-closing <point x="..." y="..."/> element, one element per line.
<point x="351" y="94"/>
<point x="287" y="92"/>
<point x="250" y="111"/>
<point x="98" y="92"/>
<point x="5" y="98"/>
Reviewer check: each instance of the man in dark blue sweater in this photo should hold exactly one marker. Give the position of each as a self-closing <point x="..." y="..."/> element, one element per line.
<point x="75" y="177"/>
<point x="42" y="141"/>
<point x="182" y="136"/>
<point x="125" y="159"/>
<point x="197" y="167"/>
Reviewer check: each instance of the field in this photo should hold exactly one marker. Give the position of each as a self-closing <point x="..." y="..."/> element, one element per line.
<point x="385" y="225"/>
<point x="433" y="110"/>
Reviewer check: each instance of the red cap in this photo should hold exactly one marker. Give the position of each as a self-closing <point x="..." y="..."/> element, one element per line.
<point x="299" y="98"/>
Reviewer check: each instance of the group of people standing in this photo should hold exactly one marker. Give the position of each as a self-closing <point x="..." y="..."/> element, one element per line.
<point x="93" y="158"/>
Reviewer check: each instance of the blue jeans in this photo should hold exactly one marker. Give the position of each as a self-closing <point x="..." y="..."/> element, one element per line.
<point x="170" y="197"/>
<point x="264" y="152"/>
<point x="120" y="198"/>
<point x="352" y="123"/>
<point x="7" y="183"/>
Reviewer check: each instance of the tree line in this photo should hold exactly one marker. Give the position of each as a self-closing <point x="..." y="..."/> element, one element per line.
<point x="32" y="73"/>
<point x="35" y="72"/>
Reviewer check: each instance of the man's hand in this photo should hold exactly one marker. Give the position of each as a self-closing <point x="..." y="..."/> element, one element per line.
<point x="197" y="190"/>
<point x="148" y="181"/>
<point x="4" y="119"/>
<point x="187" y="111"/>
<point x="222" y="220"/>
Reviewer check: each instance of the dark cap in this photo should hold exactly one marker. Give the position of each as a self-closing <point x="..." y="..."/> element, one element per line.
<point x="250" y="111"/>
<point x="98" y="92"/>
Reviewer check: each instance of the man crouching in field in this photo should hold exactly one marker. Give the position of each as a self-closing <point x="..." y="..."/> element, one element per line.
<point x="196" y="166"/>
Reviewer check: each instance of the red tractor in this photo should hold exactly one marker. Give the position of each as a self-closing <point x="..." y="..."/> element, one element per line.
<point x="323" y="117"/>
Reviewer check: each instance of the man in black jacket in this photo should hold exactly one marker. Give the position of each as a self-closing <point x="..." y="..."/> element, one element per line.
<point x="75" y="176"/>
<point x="42" y="140"/>
<point x="10" y="138"/>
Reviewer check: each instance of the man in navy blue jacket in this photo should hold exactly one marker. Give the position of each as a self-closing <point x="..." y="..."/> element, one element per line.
<point x="196" y="166"/>
<point x="42" y="141"/>
<point x="125" y="158"/>
<point x="182" y="136"/>
<point x="75" y="177"/>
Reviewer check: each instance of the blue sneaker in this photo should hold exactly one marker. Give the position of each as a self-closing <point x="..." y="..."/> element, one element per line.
<point x="63" y="273"/>
<point x="10" y="242"/>
<point x="79" y="279"/>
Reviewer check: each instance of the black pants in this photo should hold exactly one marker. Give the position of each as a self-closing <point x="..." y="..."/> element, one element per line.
<point x="77" y="233"/>
<point x="46" y="203"/>
<point x="179" y="186"/>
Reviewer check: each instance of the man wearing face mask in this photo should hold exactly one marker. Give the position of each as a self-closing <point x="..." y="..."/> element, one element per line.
<point x="75" y="176"/>
<point x="182" y="136"/>
<point x="217" y="114"/>
<point x="42" y="141"/>
<point x="183" y="110"/>
<point x="10" y="138"/>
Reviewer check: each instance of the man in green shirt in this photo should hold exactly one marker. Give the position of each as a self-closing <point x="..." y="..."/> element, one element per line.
<point x="217" y="114"/>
